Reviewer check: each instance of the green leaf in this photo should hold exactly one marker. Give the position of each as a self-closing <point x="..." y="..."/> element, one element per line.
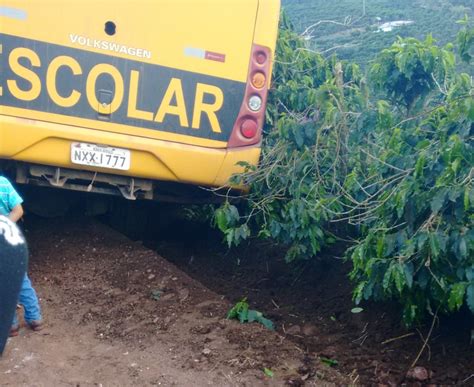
<point x="438" y="200"/>
<point x="357" y="310"/>
<point x="456" y="296"/>
<point x="329" y="362"/>
<point x="466" y="199"/>
<point x="268" y="372"/>
<point x="232" y="214"/>
<point x="434" y="245"/>
<point x="422" y="240"/>
<point x="470" y="297"/>
<point x="243" y="315"/>
<point x="244" y="164"/>
<point x="229" y="236"/>
<point x="470" y="107"/>
<point x="423" y="144"/>
<point x="387" y="278"/>
<point x="231" y="314"/>
<point x="359" y="291"/>
<point x="399" y="278"/>
<point x="455" y="165"/>
<point x="221" y="219"/>
<point x="410" y="312"/>
<point x="380" y="246"/>
<point x="237" y="309"/>
<point x="454" y="194"/>
<point x="420" y="164"/>
<point x="462" y="247"/>
<point x="470" y="274"/>
<point x="253" y="315"/>
<point x="408" y="269"/>
<point x="266" y="323"/>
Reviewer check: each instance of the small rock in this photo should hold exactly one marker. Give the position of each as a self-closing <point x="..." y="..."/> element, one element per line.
<point x="151" y="276"/>
<point x="294" y="330"/>
<point x="206" y="351"/>
<point x="419" y="374"/>
<point x="95" y="309"/>
<point x="201" y="329"/>
<point x="183" y="294"/>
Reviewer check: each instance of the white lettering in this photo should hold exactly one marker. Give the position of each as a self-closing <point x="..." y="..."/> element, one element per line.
<point x="73" y="38"/>
<point x="109" y="46"/>
<point x="113" y="47"/>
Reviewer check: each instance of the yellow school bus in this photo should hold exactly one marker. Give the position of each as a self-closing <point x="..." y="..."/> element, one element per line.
<point x="124" y="97"/>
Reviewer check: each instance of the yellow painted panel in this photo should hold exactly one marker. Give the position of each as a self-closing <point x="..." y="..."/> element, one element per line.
<point x="266" y="27"/>
<point x="31" y="141"/>
<point x="229" y="167"/>
<point x="165" y="28"/>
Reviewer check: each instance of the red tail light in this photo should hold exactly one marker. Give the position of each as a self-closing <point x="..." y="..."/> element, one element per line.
<point x="248" y="126"/>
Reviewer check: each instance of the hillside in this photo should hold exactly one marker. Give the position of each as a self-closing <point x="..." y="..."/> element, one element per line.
<point x="358" y="36"/>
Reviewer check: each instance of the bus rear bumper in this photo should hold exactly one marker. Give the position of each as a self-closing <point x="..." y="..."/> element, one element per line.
<point x="48" y="144"/>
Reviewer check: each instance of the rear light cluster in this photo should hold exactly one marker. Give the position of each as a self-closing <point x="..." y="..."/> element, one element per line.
<point x="248" y="126"/>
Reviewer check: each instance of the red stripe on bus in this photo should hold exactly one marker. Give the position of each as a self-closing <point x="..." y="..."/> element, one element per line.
<point x="215" y="56"/>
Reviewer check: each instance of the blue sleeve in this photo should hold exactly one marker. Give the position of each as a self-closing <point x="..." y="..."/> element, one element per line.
<point x="13" y="197"/>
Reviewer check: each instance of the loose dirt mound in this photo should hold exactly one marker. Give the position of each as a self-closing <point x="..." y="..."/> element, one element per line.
<point x="119" y="314"/>
<point x="311" y="304"/>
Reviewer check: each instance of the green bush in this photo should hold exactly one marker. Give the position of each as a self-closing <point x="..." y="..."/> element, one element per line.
<point x="386" y="160"/>
<point x="418" y="240"/>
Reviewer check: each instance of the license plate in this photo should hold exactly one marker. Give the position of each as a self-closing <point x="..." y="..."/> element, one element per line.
<point x="100" y="156"/>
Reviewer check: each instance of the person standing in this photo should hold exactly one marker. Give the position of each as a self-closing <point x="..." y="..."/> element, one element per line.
<point x="11" y="207"/>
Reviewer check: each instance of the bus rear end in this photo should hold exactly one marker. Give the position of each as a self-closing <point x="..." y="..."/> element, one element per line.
<point x="124" y="97"/>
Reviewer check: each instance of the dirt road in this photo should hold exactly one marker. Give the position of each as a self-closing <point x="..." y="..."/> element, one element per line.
<point x="119" y="314"/>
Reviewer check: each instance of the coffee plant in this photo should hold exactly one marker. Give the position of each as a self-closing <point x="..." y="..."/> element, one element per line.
<point x="384" y="161"/>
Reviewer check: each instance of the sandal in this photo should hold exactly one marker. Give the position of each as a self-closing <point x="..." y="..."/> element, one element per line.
<point x="36" y="325"/>
<point x="14" y="331"/>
